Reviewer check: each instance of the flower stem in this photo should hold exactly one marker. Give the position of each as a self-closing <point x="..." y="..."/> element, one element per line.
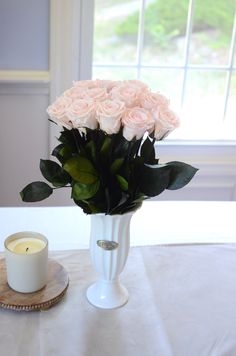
<point x="76" y="142"/>
<point x="107" y="200"/>
<point x="65" y="186"/>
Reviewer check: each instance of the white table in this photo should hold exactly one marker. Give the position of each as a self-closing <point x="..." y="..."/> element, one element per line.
<point x="157" y="222"/>
<point x="182" y="297"/>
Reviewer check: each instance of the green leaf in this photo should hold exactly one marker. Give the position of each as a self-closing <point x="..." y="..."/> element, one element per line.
<point x="62" y="152"/>
<point x="122" y="182"/>
<point x="36" y="191"/>
<point x="140" y="199"/>
<point x="121" y="147"/>
<point x="67" y="138"/>
<point x="92" y="207"/>
<point x="54" y="173"/>
<point x="154" y="179"/>
<point x="129" y="208"/>
<point x="180" y="174"/>
<point x="116" y="165"/>
<point x="56" y="151"/>
<point x="66" y="153"/>
<point x="82" y="191"/>
<point x="106" y="146"/>
<point x="134" y="147"/>
<point x="91" y="149"/>
<point x="123" y="199"/>
<point x="81" y="170"/>
<point x="148" y="151"/>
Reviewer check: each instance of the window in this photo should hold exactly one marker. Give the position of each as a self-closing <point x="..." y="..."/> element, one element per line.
<point x="185" y="49"/>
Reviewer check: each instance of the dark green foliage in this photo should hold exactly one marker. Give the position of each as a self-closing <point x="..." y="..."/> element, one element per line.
<point x="180" y="174"/>
<point x="82" y="191"/>
<point x="106" y="173"/>
<point x="154" y="179"/>
<point x="54" y="173"/>
<point x="36" y="191"/>
<point x="81" y="170"/>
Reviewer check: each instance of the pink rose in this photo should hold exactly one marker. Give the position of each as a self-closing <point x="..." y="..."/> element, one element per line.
<point x="137" y="84"/>
<point x="165" y="122"/>
<point x="109" y="113"/>
<point x="129" y="94"/>
<point x="136" y="122"/>
<point x="107" y="84"/>
<point x="82" y="114"/>
<point x="88" y="84"/>
<point x="151" y="101"/>
<point x="75" y="93"/>
<point x="97" y="94"/>
<point x="58" y="111"/>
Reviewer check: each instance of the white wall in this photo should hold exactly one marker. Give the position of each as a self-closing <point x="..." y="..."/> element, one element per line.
<point x="216" y="178"/>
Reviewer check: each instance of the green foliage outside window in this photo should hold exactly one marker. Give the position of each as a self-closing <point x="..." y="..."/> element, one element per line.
<point x="166" y="20"/>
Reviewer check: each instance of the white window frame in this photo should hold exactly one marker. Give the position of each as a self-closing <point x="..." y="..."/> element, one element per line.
<point x="71" y="36"/>
<point x="71" y="59"/>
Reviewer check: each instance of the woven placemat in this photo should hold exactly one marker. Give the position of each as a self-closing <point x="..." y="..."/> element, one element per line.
<point x="45" y="298"/>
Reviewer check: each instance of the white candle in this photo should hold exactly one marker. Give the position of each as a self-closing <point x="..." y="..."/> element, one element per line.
<point x="26" y="255"/>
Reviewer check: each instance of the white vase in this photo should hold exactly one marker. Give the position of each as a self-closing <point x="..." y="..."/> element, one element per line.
<point x="109" y="248"/>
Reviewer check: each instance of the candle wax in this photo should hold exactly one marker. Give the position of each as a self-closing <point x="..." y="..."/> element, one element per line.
<point x="26" y="245"/>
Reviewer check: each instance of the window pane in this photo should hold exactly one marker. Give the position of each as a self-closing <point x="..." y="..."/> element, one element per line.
<point x="162" y="80"/>
<point x="202" y="116"/>
<point x="118" y="73"/>
<point x="164" y="35"/>
<point x="115" y="37"/>
<point x="212" y="31"/>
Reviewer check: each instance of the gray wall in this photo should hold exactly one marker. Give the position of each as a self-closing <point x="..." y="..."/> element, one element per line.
<point x="24" y="29"/>
<point x="24" y="38"/>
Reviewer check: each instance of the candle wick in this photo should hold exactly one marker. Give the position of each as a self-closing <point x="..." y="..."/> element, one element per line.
<point x="27" y="249"/>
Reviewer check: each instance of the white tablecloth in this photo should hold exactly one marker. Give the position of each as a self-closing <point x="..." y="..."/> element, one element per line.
<point x="182" y="303"/>
<point x="157" y="222"/>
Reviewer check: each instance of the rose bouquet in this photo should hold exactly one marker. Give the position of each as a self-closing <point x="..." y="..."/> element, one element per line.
<point x="106" y="153"/>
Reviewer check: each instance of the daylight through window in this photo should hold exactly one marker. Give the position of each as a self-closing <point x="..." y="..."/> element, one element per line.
<point x="184" y="49"/>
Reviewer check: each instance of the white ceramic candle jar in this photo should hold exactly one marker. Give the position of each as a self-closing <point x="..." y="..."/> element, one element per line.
<point x="26" y="255"/>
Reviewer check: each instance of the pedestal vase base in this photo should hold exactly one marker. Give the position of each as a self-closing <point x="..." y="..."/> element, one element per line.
<point x="107" y="294"/>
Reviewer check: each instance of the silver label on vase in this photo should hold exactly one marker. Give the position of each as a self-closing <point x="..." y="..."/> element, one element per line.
<point x="107" y="245"/>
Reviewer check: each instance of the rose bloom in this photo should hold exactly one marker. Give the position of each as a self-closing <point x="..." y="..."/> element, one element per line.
<point x="107" y="84"/>
<point x="151" y="101"/>
<point x="58" y="111"/>
<point x="136" y="122"/>
<point x="165" y="122"/>
<point x="109" y="113"/>
<point x="76" y="93"/>
<point x="82" y="114"/>
<point x="129" y="94"/>
<point x="97" y="94"/>
<point x="88" y="84"/>
<point x="137" y="84"/>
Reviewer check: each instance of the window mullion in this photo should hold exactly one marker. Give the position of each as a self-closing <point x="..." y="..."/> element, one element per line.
<point x="187" y="45"/>
<point x="140" y="36"/>
<point x="230" y="66"/>
<point x="163" y="66"/>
